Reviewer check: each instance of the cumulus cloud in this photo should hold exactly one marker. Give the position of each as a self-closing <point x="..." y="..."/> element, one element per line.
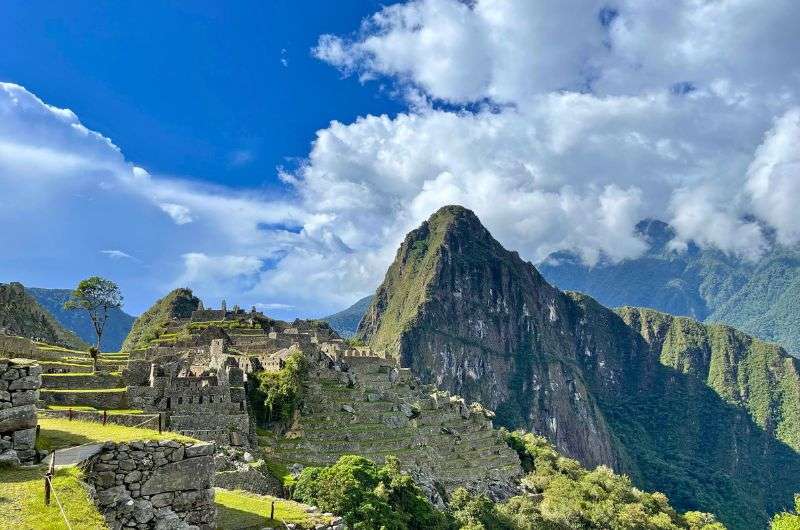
<point x="561" y="124"/>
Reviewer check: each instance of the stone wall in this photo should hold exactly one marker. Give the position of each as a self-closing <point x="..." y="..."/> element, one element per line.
<point x="367" y="406"/>
<point x="20" y="380"/>
<point x="147" y="485"/>
<point x="11" y="345"/>
<point x="101" y="399"/>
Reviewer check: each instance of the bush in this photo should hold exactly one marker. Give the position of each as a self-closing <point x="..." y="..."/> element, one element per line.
<point x="277" y="394"/>
<point x="370" y="497"/>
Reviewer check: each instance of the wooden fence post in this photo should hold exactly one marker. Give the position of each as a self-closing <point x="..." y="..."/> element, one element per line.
<point x="105" y="416"/>
<point x="48" y="477"/>
<point x="159" y="423"/>
<point x="272" y="511"/>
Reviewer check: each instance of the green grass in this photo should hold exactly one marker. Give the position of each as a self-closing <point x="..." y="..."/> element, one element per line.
<point x="22" y="500"/>
<point x="57" y="433"/>
<point x="87" y="408"/>
<point x="280" y="471"/>
<point x="86" y="390"/>
<point x="240" y="510"/>
<point x="82" y="374"/>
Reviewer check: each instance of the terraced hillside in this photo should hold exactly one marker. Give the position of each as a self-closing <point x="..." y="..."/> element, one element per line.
<point x="376" y="410"/>
<point x="67" y="376"/>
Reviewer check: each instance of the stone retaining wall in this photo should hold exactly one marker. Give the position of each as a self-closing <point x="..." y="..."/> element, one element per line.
<point x="99" y="400"/>
<point x="128" y="420"/>
<point x="20" y="380"/>
<point x="147" y="485"/>
<point x="82" y="381"/>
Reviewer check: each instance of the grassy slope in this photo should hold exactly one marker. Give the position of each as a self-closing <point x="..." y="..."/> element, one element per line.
<point x="22" y="500"/>
<point x="57" y="433"/>
<point x="179" y="302"/>
<point x="22" y="315"/>
<point x="237" y="510"/>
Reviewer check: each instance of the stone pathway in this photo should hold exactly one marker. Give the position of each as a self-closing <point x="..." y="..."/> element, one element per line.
<point x="74" y="455"/>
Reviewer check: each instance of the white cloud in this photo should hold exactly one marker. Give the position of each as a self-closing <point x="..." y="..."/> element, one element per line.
<point x="773" y="179"/>
<point x="179" y="213"/>
<point x="116" y="254"/>
<point x="560" y="124"/>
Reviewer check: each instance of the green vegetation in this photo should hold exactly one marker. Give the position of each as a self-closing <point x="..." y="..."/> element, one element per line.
<point x="117" y="327"/>
<point x="275" y="395"/>
<point x="369" y="496"/>
<point x="95" y="296"/>
<point x="151" y="324"/>
<point x="787" y="520"/>
<point x="281" y="472"/>
<point x="241" y="509"/>
<point x="21" y="314"/>
<point x="758" y="297"/>
<point x="58" y="433"/>
<point x="87" y="408"/>
<point x="566" y="496"/>
<point x="22" y="500"/>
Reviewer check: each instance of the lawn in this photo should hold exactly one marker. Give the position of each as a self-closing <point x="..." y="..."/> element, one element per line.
<point x="241" y="510"/>
<point x="57" y="433"/>
<point x="87" y="408"/>
<point x="22" y="500"/>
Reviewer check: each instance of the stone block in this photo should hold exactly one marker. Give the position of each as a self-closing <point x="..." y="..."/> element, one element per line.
<point x="5" y="396"/>
<point x="24" y="397"/>
<point x="18" y="418"/>
<point x="201" y="449"/>
<point x="24" y="439"/>
<point x="29" y="382"/>
<point x="112" y="495"/>
<point x="190" y="474"/>
<point x="9" y="457"/>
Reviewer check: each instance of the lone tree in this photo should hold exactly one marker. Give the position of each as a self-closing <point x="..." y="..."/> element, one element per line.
<point x="97" y="296"/>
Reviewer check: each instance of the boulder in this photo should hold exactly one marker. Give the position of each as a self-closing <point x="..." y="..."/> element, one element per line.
<point x="29" y="382"/>
<point x="201" y="449"/>
<point x="9" y="457"/>
<point x="25" y="397"/>
<point x="18" y="418"/>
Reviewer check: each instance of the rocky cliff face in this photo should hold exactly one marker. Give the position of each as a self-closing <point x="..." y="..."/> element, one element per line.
<point x="474" y="318"/>
<point x="21" y="315"/>
<point x="466" y="314"/>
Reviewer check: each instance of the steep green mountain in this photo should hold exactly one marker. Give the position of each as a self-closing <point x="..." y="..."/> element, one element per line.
<point x="21" y="314"/>
<point x="759" y="297"/>
<point x="474" y="318"/>
<point x="345" y="322"/>
<point x="117" y="327"/>
<point x="178" y="303"/>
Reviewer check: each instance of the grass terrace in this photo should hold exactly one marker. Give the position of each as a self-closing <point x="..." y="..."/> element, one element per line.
<point x="22" y="500"/>
<point x="237" y="510"/>
<point x="58" y="433"/>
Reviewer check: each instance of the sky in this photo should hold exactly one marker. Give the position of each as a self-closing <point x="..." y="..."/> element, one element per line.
<point x="276" y="153"/>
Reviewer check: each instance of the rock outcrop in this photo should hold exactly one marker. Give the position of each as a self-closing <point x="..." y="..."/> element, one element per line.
<point x="20" y="380"/>
<point x="465" y="314"/>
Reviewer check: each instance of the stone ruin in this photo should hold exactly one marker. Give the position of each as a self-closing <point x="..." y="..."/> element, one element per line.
<point x="20" y="380"/>
<point x="207" y="406"/>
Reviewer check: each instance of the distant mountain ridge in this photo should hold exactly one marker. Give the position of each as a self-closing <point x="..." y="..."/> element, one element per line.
<point x="345" y="322"/>
<point x="22" y="315"/>
<point x="759" y="297"/>
<point x="704" y="413"/>
<point x="117" y="327"/>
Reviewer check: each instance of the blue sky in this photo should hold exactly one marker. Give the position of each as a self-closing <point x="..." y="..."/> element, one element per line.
<point x="276" y="153"/>
<point x="195" y="89"/>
